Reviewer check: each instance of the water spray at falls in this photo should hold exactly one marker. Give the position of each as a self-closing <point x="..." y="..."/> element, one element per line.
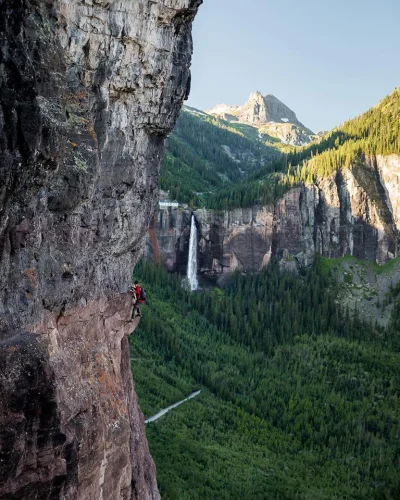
<point x="192" y="261"/>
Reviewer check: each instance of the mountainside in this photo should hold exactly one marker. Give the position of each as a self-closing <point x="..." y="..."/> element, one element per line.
<point x="89" y="91"/>
<point x="376" y="132"/>
<point x="268" y="114"/>
<point x="209" y="152"/>
<point x="341" y="198"/>
<point x="353" y="146"/>
<point x="205" y="154"/>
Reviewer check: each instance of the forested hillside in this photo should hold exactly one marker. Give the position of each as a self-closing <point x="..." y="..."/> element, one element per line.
<point x="299" y="399"/>
<point x="375" y="132"/>
<point x="205" y="154"/>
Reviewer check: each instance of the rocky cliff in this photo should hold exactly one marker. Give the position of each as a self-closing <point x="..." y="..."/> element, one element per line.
<point x="89" y="90"/>
<point x="355" y="212"/>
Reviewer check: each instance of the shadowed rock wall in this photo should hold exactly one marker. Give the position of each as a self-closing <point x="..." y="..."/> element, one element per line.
<point x="355" y="212"/>
<point x="89" y="90"/>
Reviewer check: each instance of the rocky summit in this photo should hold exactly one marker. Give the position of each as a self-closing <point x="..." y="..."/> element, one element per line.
<point x="269" y="115"/>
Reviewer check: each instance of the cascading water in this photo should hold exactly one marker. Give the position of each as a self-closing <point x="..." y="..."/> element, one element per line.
<point x="192" y="261"/>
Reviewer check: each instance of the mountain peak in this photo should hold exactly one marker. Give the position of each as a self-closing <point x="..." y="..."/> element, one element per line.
<point x="255" y="95"/>
<point x="258" y="111"/>
<point x="269" y="113"/>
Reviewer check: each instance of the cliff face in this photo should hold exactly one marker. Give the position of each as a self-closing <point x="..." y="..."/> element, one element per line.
<point x="168" y="239"/>
<point x="355" y="212"/>
<point x="89" y="90"/>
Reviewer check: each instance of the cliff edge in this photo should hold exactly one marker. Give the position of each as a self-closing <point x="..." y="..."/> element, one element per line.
<point x="352" y="212"/>
<point x="89" y="90"/>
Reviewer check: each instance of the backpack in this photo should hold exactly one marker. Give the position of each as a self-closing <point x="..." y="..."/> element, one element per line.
<point x="143" y="295"/>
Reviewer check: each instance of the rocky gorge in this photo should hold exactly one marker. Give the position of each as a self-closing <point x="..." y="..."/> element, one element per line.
<point x="89" y="91"/>
<point x="355" y="212"/>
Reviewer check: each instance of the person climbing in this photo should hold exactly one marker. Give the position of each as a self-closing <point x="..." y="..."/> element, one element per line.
<point x="140" y="294"/>
<point x="132" y="291"/>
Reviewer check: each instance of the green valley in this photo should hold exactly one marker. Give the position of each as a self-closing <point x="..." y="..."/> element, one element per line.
<point x="299" y="398"/>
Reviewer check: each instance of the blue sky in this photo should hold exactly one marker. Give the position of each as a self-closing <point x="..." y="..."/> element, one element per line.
<point x="328" y="60"/>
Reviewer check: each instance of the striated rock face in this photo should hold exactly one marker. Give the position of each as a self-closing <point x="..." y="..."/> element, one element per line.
<point x="89" y="90"/>
<point x="288" y="133"/>
<point x="355" y="212"/>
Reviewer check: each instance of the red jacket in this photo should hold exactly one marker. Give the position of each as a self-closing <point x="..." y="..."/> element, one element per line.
<point x="137" y="291"/>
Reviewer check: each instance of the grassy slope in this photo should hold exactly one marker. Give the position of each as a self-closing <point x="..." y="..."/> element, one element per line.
<point x="365" y="285"/>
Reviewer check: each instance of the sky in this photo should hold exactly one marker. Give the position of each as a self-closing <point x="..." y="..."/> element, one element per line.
<point x="328" y="60"/>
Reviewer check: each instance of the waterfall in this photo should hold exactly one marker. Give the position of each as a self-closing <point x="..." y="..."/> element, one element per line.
<point x="192" y="261"/>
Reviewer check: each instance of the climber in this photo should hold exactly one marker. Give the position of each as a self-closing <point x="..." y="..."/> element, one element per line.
<point x="139" y="294"/>
<point x="132" y="291"/>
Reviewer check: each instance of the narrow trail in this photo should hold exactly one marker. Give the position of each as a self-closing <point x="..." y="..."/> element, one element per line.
<point x="166" y="410"/>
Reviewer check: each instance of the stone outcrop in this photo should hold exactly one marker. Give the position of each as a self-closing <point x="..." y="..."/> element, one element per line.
<point x="72" y="425"/>
<point x="89" y="90"/>
<point x="356" y="212"/>
<point x="288" y="133"/>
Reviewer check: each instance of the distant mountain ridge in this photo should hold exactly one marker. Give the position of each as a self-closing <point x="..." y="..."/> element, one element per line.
<point x="270" y="115"/>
